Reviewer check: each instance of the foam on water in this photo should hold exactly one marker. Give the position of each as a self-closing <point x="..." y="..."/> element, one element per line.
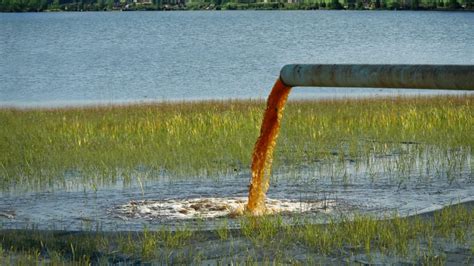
<point x="375" y="186"/>
<point x="213" y="207"/>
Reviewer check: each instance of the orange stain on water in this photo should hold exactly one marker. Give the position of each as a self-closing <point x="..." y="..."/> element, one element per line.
<point x="263" y="151"/>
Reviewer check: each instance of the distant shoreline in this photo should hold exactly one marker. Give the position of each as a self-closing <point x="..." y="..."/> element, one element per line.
<point x="85" y="105"/>
<point x="16" y="6"/>
<point x="177" y="10"/>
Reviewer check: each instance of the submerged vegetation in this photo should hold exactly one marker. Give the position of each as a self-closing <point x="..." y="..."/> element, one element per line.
<point x="342" y="140"/>
<point x="445" y="236"/>
<point x="42" y="148"/>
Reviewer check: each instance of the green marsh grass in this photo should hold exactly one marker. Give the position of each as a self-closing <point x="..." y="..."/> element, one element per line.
<point x="43" y="148"/>
<point x="259" y="239"/>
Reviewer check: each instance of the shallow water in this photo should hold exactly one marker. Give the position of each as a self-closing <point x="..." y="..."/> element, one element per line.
<point x="56" y="59"/>
<point x="89" y="211"/>
<point x="77" y="58"/>
<point x="348" y="187"/>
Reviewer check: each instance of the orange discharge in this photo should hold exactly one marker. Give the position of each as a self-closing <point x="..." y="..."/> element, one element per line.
<point x="263" y="151"/>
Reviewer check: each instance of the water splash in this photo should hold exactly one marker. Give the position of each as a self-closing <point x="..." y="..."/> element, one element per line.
<point x="214" y="207"/>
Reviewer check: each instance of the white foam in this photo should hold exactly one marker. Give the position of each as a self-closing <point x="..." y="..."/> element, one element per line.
<point x="214" y="207"/>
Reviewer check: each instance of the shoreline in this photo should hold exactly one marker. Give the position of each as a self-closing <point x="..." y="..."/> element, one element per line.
<point x="257" y="6"/>
<point x="71" y="105"/>
<point x="444" y="244"/>
<point x="233" y="10"/>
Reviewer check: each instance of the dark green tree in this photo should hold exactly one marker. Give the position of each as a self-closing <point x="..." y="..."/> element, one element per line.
<point x="100" y="4"/>
<point x="394" y="5"/>
<point x="377" y="4"/>
<point x="469" y="4"/>
<point x="351" y="4"/>
<point x="17" y="5"/>
<point x="5" y="6"/>
<point x="158" y="4"/>
<point x="33" y="5"/>
<point x="336" y="5"/>
<point x="54" y="4"/>
<point x="453" y="4"/>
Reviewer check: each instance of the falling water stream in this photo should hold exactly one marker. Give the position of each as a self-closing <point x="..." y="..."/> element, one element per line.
<point x="263" y="150"/>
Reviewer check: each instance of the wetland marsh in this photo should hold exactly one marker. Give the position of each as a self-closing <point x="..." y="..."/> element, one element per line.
<point x="151" y="174"/>
<point x="362" y="160"/>
<point x="94" y="146"/>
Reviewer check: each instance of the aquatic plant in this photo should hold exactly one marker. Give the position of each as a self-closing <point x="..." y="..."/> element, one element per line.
<point x="95" y="146"/>
<point x="417" y="239"/>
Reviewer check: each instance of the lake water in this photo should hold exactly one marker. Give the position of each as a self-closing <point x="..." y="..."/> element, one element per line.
<point x="53" y="59"/>
<point x="57" y="59"/>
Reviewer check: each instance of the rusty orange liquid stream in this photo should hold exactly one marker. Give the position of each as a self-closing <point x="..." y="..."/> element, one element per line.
<point x="263" y="151"/>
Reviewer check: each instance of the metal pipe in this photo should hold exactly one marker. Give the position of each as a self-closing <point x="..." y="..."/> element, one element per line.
<point x="446" y="77"/>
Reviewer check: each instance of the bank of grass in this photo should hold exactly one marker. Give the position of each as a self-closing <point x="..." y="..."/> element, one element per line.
<point x="445" y="236"/>
<point x="96" y="145"/>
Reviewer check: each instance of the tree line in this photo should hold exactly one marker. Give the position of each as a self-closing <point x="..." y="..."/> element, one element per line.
<point x="105" y="5"/>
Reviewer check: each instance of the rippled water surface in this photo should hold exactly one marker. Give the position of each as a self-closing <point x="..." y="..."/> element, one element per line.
<point x="56" y="59"/>
<point x="376" y="188"/>
<point x="80" y="58"/>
